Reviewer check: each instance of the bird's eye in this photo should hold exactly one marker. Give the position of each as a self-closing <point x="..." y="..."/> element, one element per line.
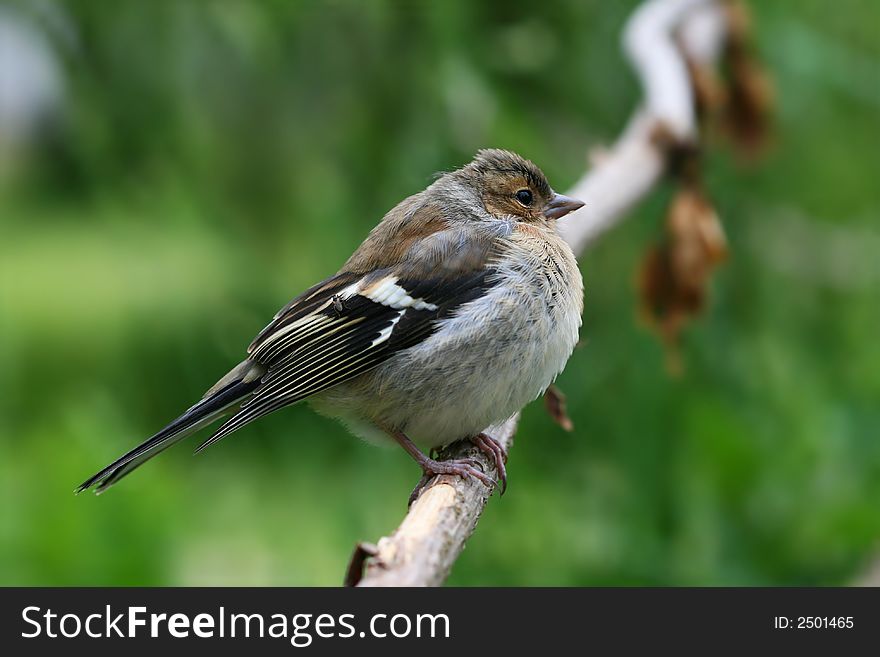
<point x="524" y="196"/>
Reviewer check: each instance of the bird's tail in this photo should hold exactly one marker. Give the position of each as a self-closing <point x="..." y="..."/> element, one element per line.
<point x="221" y="400"/>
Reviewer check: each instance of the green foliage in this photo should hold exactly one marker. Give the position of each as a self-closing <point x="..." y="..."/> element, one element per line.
<point x="216" y="158"/>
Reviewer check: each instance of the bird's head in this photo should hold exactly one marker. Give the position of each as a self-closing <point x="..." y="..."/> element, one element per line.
<point x="510" y="185"/>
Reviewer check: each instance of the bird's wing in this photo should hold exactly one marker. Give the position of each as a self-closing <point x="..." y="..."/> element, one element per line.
<point x="352" y="322"/>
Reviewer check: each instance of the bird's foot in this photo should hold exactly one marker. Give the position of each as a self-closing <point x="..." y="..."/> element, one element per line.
<point x="496" y="452"/>
<point x="464" y="468"/>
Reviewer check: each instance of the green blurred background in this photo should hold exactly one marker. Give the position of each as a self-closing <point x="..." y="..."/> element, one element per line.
<point x="173" y="172"/>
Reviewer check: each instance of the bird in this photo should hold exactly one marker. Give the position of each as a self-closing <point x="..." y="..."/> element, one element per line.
<point x="460" y="307"/>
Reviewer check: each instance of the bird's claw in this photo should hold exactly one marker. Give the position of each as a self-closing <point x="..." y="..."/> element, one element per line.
<point x="495" y="451"/>
<point x="463" y="467"/>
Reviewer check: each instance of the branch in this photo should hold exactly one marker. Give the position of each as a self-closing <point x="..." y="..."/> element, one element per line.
<point x="422" y="550"/>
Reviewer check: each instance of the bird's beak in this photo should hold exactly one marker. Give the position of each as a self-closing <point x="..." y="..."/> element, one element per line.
<point x="560" y="205"/>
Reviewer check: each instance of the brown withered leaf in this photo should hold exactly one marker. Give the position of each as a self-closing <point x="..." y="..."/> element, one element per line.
<point x="554" y="402"/>
<point x="674" y="275"/>
<point x="710" y="94"/>
<point x="750" y="97"/>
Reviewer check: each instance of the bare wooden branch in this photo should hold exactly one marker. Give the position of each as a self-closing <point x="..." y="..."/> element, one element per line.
<point x="432" y="535"/>
<point x="422" y="550"/>
<point x="626" y="173"/>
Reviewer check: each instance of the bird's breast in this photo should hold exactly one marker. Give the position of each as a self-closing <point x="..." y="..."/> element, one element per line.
<point x="485" y="362"/>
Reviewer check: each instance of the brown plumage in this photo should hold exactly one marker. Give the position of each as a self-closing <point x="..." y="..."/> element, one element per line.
<point x="460" y="306"/>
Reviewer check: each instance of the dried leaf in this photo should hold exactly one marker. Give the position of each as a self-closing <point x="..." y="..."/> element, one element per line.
<point x="674" y="275"/>
<point x="554" y="402"/>
<point x="750" y="97"/>
<point x="710" y="94"/>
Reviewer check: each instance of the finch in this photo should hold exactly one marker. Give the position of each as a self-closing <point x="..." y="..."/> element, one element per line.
<point x="461" y="306"/>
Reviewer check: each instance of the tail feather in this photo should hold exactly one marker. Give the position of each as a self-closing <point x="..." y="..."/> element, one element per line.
<point x="220" y="402"/>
